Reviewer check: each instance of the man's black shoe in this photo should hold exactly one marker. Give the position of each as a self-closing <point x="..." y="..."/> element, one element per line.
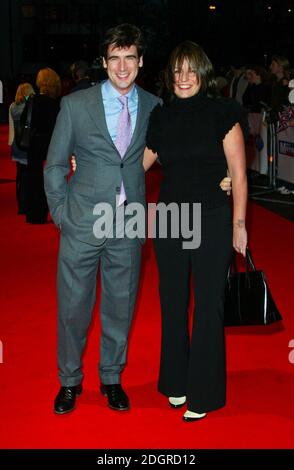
<point x="66" y="399"/>
<point x="117" y="398"/>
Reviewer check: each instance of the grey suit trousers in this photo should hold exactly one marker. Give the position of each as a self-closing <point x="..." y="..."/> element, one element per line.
<point x="119" y="260"/>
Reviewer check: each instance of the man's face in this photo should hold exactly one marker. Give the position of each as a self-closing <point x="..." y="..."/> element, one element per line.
<point x="250" y="76"/>
<point x="122" y="66"/>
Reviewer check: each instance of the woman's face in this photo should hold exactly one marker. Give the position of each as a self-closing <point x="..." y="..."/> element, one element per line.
<point x="186" y="82"/>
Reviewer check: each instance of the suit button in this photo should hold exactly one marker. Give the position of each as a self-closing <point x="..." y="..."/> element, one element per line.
<point x="117" y="189"/>
<point x="121" y="165"/>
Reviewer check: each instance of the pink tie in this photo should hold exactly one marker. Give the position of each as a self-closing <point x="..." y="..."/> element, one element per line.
<point x="123" y="137"/>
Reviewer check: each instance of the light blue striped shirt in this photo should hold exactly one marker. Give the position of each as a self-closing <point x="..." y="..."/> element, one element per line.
<point x="113" y="107"/>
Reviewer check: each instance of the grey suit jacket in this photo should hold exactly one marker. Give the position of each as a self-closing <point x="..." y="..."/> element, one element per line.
<point x="81" y="130"/>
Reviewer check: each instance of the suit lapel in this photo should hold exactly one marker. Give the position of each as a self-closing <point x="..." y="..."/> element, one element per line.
<point x="96" y="110"/>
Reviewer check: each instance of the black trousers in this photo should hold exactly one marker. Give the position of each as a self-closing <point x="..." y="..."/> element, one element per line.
<point x="37" y="207"/>
<point x="21" y="187"/>
<point x="195" y="366"/>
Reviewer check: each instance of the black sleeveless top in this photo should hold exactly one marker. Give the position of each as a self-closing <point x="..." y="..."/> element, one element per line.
<point x="188" y="137"/>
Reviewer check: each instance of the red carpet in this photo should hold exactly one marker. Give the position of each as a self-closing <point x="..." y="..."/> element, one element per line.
<point x="259" y="411"/>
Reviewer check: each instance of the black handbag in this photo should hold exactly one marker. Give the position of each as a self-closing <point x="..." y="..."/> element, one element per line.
<point x="248" y="300"/>
<point x="24" y="131"/>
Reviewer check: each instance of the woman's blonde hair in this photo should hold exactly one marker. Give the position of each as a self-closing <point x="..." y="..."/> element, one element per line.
<point x="49" y="82"/>
<point x="23" y="91"/>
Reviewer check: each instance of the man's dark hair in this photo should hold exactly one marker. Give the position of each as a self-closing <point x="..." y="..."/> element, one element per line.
<point x="123" y="35"/>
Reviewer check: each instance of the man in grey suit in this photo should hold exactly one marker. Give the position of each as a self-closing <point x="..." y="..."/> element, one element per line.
<point x="87" y="126"/>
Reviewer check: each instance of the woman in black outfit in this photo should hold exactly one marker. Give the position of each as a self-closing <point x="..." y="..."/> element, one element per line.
<point x="44" y="112"/>
<point x="197" y="137"/>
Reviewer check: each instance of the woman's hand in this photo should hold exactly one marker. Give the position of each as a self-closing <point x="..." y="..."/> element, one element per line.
<point x="240" y="237"/>
<point x="149" y="158"/>
<point x="73" y="163"/>
<point x="226" y="184"/>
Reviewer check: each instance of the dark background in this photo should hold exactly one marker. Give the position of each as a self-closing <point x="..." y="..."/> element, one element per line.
<point x="35" y="33"/>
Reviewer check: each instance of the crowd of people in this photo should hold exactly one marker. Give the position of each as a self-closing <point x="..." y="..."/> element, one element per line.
<point x="45" y="102"/>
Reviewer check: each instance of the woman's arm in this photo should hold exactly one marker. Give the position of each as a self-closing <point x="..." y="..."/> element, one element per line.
<point x="149" y="158"/>
<point x="234" y="149"/>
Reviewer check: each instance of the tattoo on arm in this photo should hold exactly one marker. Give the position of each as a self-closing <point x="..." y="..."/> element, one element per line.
<point x="240" y="223"/>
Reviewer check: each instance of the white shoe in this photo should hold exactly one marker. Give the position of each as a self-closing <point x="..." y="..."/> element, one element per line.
<point x="176" y="402"/>
<point x="192" y="416"/>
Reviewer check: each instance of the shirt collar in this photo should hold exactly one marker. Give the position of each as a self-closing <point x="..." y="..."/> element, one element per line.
<point x="112" y="93"/>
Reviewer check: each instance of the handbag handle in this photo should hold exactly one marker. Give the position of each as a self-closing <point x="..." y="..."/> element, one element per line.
<point x="249" y="260"/>
<point x="29" y="112"/>
<point x="249" y="263"/>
